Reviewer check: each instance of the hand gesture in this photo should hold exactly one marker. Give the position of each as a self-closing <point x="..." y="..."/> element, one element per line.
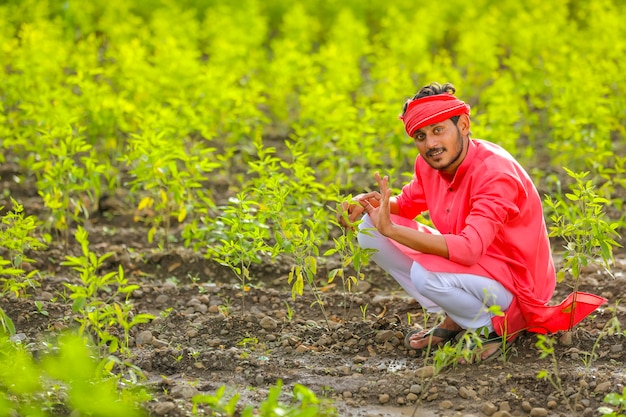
<point x="351" y="210"/>
<point x="380" y="213"/>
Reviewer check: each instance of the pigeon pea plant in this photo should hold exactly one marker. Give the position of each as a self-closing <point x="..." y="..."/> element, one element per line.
<point x="67" y="378"/>
<point x="589" y="239"/>
<point x="293" y="203"/>
<point x="69" y="178"/>
<point x="351" y="255"/>
<point x="96" y="314"/>
<point x="16" y="237"/>
<point x="243" y="242"/>
<point x="168" y="171"/>
<point x="302" y="403"/>
<point x="581" y="222"/>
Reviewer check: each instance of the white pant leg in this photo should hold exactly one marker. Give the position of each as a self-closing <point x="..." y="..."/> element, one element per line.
<point x="392" y="260"/>
<point x="464" y="297"/>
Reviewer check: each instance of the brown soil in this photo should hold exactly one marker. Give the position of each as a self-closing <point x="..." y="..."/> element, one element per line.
<point x="217" y="334"/>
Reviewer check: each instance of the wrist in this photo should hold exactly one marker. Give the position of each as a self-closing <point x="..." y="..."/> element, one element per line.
<point x="388" y="230"/>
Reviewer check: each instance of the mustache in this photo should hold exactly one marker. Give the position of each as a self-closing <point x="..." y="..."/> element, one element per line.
<point x="435" y="150"/>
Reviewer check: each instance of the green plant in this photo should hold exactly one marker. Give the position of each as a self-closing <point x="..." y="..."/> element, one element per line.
<point x="580" y="221"/>
<point x="618" y="403"/>
<point x="40" y="309"/>
<point x="351" y="255"/>
<point x="168" y="170"/>
<point x="17" y="237"/>
<point x="69" y="176"/>
<point x="290" y="312"/>
<point x="244" y="239"/>
<point x="546" y="344"/>
<point x="69" y="377"/>
<point x="303" y="403"/>
<point x="95" y="313"/>
<point x="248" y="341"/>
<point x="363" y="309"/>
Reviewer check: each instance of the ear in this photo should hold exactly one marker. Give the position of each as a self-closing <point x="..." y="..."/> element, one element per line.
<point x="464" y="124"/>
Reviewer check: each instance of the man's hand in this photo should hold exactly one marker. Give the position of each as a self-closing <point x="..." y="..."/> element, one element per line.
<point x="380" y="213"/>
<point x="351" y="210"/>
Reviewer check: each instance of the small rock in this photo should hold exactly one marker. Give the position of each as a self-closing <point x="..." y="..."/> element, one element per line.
<point x="538" y="412"/>
<point x="616" y="348"/>
<point x="143" y="338"/>
<point x="18" y="337"/>
<point x="162" y="299"/>
<point x="467" y="393"/>
<point x="302" y="349"/>
<point x="383" y="398"/>
<point x="268" y="323"/>
<point x="415" y="389"/>
<point x="384" y="336"/>
<point x="44" y="296"/>
<point x="446" y="405"/>
<point x="183" y="391"/>
<point x="566" y="339"/>
<point x="603" y="387"/>
<point x="425" y="372"/>
<point x="526" y="406"/>
<point x="163" y="408"/>
<point x="488" y="408"/>
<point x="363" y="286"/>
<point x="168" y="287"/>
<point x="411" y="397"/>
<point x="380" y="298"/>
<point x="193" y="301"/>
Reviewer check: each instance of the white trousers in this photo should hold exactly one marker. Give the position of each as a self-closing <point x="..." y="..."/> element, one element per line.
<point x="465" y="298"/>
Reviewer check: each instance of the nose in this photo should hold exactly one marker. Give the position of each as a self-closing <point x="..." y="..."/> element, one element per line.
<point x="431" y="141"/>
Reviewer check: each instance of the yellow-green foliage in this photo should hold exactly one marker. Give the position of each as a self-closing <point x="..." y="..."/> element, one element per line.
<point x="543" y="78"/>
<point x="67" y="381"/>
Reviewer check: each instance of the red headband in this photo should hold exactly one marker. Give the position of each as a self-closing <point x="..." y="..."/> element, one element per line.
<point x="430" y="110"/>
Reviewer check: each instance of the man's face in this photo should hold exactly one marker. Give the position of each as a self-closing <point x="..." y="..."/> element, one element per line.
<point x="442" y="145"/>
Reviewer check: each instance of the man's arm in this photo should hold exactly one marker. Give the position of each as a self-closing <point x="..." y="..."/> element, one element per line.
<point x="414" y="239"/>
<point x="420" y="241"/>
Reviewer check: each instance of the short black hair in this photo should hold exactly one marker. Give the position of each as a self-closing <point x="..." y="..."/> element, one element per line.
<point x="433" y="89"/>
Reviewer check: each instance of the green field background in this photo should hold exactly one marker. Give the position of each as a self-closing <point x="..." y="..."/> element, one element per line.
<point x="167" y="84"/>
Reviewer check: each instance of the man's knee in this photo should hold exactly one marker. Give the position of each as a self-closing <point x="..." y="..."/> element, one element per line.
<point x="427" y="284"/>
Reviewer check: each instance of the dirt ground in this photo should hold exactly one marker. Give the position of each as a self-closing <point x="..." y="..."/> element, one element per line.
<point x="209" y="332"/>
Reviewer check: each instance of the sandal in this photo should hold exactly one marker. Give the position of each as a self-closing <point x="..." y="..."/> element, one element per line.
<point x="444" y="334"/>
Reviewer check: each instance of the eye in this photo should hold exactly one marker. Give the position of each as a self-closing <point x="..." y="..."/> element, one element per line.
<point x="419" y="136"/>
<point x="438" y="129"/>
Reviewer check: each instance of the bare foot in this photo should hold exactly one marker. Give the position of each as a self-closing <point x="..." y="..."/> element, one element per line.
<point x="490" y="349"/>
<point x="445" y="331"/>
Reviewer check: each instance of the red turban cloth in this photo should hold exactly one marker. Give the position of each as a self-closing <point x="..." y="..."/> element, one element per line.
<point x="430" y="110"/>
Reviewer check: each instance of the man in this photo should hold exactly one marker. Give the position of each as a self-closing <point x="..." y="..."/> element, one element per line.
<point x="490" y="250"/>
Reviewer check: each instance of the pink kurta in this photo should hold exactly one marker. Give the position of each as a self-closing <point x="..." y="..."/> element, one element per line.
<point x="491" y="217"/>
